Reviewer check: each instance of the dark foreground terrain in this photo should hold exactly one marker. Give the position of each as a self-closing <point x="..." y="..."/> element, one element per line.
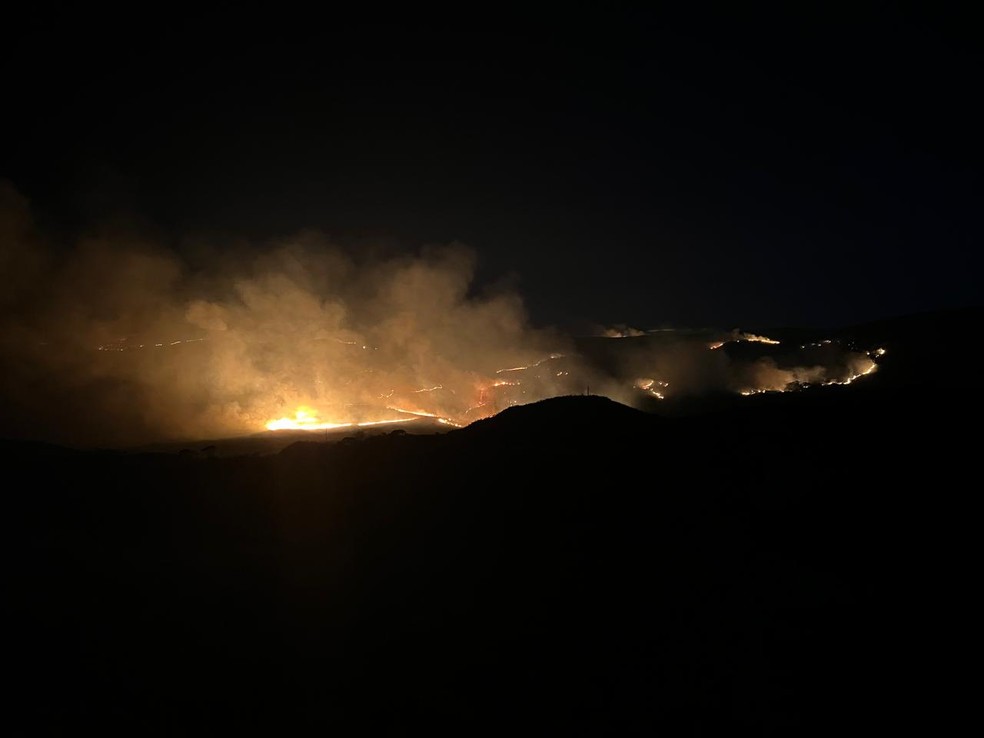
<point x="795" y="564"/>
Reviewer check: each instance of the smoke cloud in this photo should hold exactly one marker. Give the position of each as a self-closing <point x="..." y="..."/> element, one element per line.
<point x="118" y="339"/>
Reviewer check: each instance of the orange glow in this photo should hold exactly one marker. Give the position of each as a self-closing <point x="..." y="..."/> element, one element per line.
<point x="306" y="418"/>
<point x="652" y="387"/>
<point x="456" y="399"/>
<point x="737" y="336"/>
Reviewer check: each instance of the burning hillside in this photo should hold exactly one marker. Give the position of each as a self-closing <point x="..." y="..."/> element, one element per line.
<point x="116" y="340"/>
<point x="239" y="384"/>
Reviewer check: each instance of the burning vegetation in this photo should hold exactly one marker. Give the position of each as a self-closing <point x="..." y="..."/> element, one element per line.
<point x="116" y="340"/>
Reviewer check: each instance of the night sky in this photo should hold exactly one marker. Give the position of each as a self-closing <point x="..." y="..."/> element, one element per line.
<point x="727" y="168"/>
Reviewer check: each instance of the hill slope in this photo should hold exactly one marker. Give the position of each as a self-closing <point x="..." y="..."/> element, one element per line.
<point x="782" y="567"/>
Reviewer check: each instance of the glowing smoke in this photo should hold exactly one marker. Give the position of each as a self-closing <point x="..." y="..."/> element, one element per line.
<point x="115" y="340"/>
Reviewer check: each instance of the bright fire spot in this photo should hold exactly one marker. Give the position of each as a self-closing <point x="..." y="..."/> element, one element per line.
<point x="652" y="387"/>
<point x="737" y="336"/>
<point x="306" y="418"/>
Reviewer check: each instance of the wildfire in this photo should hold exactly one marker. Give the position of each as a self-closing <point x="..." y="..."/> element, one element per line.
<point x="530" y="366"/>
<point x="737" y="336"/>
<point x="802" y="376"/>
<point x="871" y="367"/>
<point x="418" y="414"/>
<point x="652" y="387"/>
<point x="459" y="399"/>
<point x="306" y="418"/>
<point x="125" y="345"/>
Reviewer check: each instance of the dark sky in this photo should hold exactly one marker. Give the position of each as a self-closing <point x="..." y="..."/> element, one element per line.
<point x="722" y="168"/>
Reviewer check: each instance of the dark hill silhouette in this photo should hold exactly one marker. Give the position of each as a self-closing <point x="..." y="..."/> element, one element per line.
<point x="795" y="564"/>
<point x="565" y="415"/>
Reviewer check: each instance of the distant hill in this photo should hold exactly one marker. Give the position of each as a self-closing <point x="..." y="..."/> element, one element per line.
<point x="781" y="564"/>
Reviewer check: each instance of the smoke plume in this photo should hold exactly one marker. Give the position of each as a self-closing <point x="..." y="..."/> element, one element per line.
<point x="119" y="339"/>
